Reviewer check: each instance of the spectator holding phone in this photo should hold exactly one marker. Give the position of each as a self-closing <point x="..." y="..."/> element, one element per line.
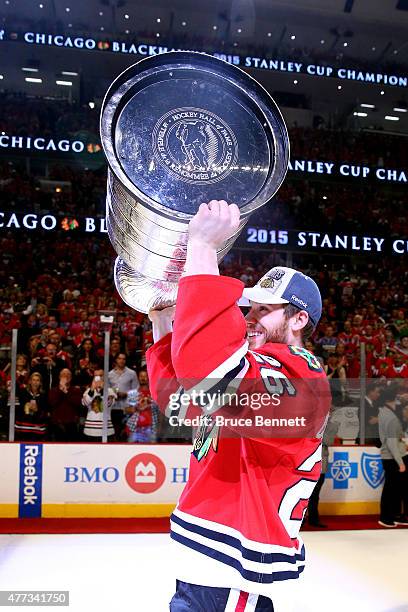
<point x="48" y="365"/>
<point x="92" y="399"/>
<point x="86" y="361"/>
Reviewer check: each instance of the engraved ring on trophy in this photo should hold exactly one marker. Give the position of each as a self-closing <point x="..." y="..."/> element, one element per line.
<point x="179" y="129"/>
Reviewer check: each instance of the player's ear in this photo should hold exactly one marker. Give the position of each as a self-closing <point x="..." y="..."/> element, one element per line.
<point x="299" y="320"/>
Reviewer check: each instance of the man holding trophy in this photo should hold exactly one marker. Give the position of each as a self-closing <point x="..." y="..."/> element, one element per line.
<point x="177" y="129"/>
<point x="237" y="522"/>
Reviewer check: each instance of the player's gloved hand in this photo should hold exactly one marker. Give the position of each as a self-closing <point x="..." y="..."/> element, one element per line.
<point x="214" y="223"/>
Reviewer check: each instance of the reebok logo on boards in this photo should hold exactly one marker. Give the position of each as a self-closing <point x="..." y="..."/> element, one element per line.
<point x="30" y="480"/>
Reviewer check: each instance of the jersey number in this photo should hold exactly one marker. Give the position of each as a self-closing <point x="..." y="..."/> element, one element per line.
<point x="294" y="502"/>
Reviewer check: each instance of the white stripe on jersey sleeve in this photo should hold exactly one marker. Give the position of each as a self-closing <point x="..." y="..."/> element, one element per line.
<point x="232" y="600"/>
<point x="251" y="603"/>
<point x="207" y="383"/>
<point x="231" y="363"/>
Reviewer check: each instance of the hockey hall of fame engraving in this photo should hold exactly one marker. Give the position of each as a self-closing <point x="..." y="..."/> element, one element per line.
<point x="195" y="145"/>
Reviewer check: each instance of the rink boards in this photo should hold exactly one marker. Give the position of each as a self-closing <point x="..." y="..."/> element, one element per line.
<point x="119" y="480"/>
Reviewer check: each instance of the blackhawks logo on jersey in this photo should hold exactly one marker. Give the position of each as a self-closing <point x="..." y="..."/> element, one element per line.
<point x="206" y="438"/>
<point x="312" y="361"/>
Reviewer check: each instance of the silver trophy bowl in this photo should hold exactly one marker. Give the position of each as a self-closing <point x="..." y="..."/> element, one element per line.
<point x="179" y="129"/>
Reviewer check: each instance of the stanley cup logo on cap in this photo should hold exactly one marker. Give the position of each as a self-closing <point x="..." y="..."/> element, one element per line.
<point x="272" y="280"/>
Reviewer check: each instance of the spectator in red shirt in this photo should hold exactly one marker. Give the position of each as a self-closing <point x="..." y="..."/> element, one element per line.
<point x="8" y="322"/>
<point x="77" y="327"/>
<point x="55" y="338"/>
<point x="356" y="325"/>
<point x="381" y="363"/>
<point x="347" y="337"/>
<point x="371" y="316"/>
<point x="65" y="407"/>
<point x="389" y="338"/>
<point x="372" y="345"/>
<point x="85" y="334"/>
<point x="402" y="346"/>
<point x="93" y="318"/>
<point x="67" y="309"/>
<point x="85" y="363"/>
<point x="398" y="368"/>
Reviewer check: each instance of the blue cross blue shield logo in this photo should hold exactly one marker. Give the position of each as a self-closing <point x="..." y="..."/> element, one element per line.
<point x="341" y="470"/>
<point x="372" y="468"/>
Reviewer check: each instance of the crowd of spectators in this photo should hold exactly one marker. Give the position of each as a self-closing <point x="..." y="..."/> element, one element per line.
<point x="54" y="290"/>
<point x="68" y="189"/>
<point x="23" y="115"/>
<point x="336" y="207"/>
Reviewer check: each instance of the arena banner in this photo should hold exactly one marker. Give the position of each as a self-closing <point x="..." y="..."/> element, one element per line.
<point x="252" y="237"/>
<point x="10" y="480"/>
<point x="308" y="240"/>
<point x="141" y="49"/>
<point x="119" y="480"/>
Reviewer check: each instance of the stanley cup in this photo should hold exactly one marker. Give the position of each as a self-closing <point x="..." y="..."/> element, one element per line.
<point x="179" y="129"/>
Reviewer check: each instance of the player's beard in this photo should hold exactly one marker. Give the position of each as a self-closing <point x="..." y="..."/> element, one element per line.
<point x="278" y="335"/>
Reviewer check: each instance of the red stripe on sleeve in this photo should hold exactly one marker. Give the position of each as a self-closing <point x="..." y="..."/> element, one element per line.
<point x="242" y="602"/>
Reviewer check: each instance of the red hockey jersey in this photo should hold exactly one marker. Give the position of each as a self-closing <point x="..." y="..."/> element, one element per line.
<point x="238" y="519"/>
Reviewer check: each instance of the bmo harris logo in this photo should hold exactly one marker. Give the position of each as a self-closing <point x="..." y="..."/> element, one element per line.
<point x="96" y="474"/>
<point x="144" y="473"/>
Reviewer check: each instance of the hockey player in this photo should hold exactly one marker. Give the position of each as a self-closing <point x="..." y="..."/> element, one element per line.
<point x="236" y="526"/>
